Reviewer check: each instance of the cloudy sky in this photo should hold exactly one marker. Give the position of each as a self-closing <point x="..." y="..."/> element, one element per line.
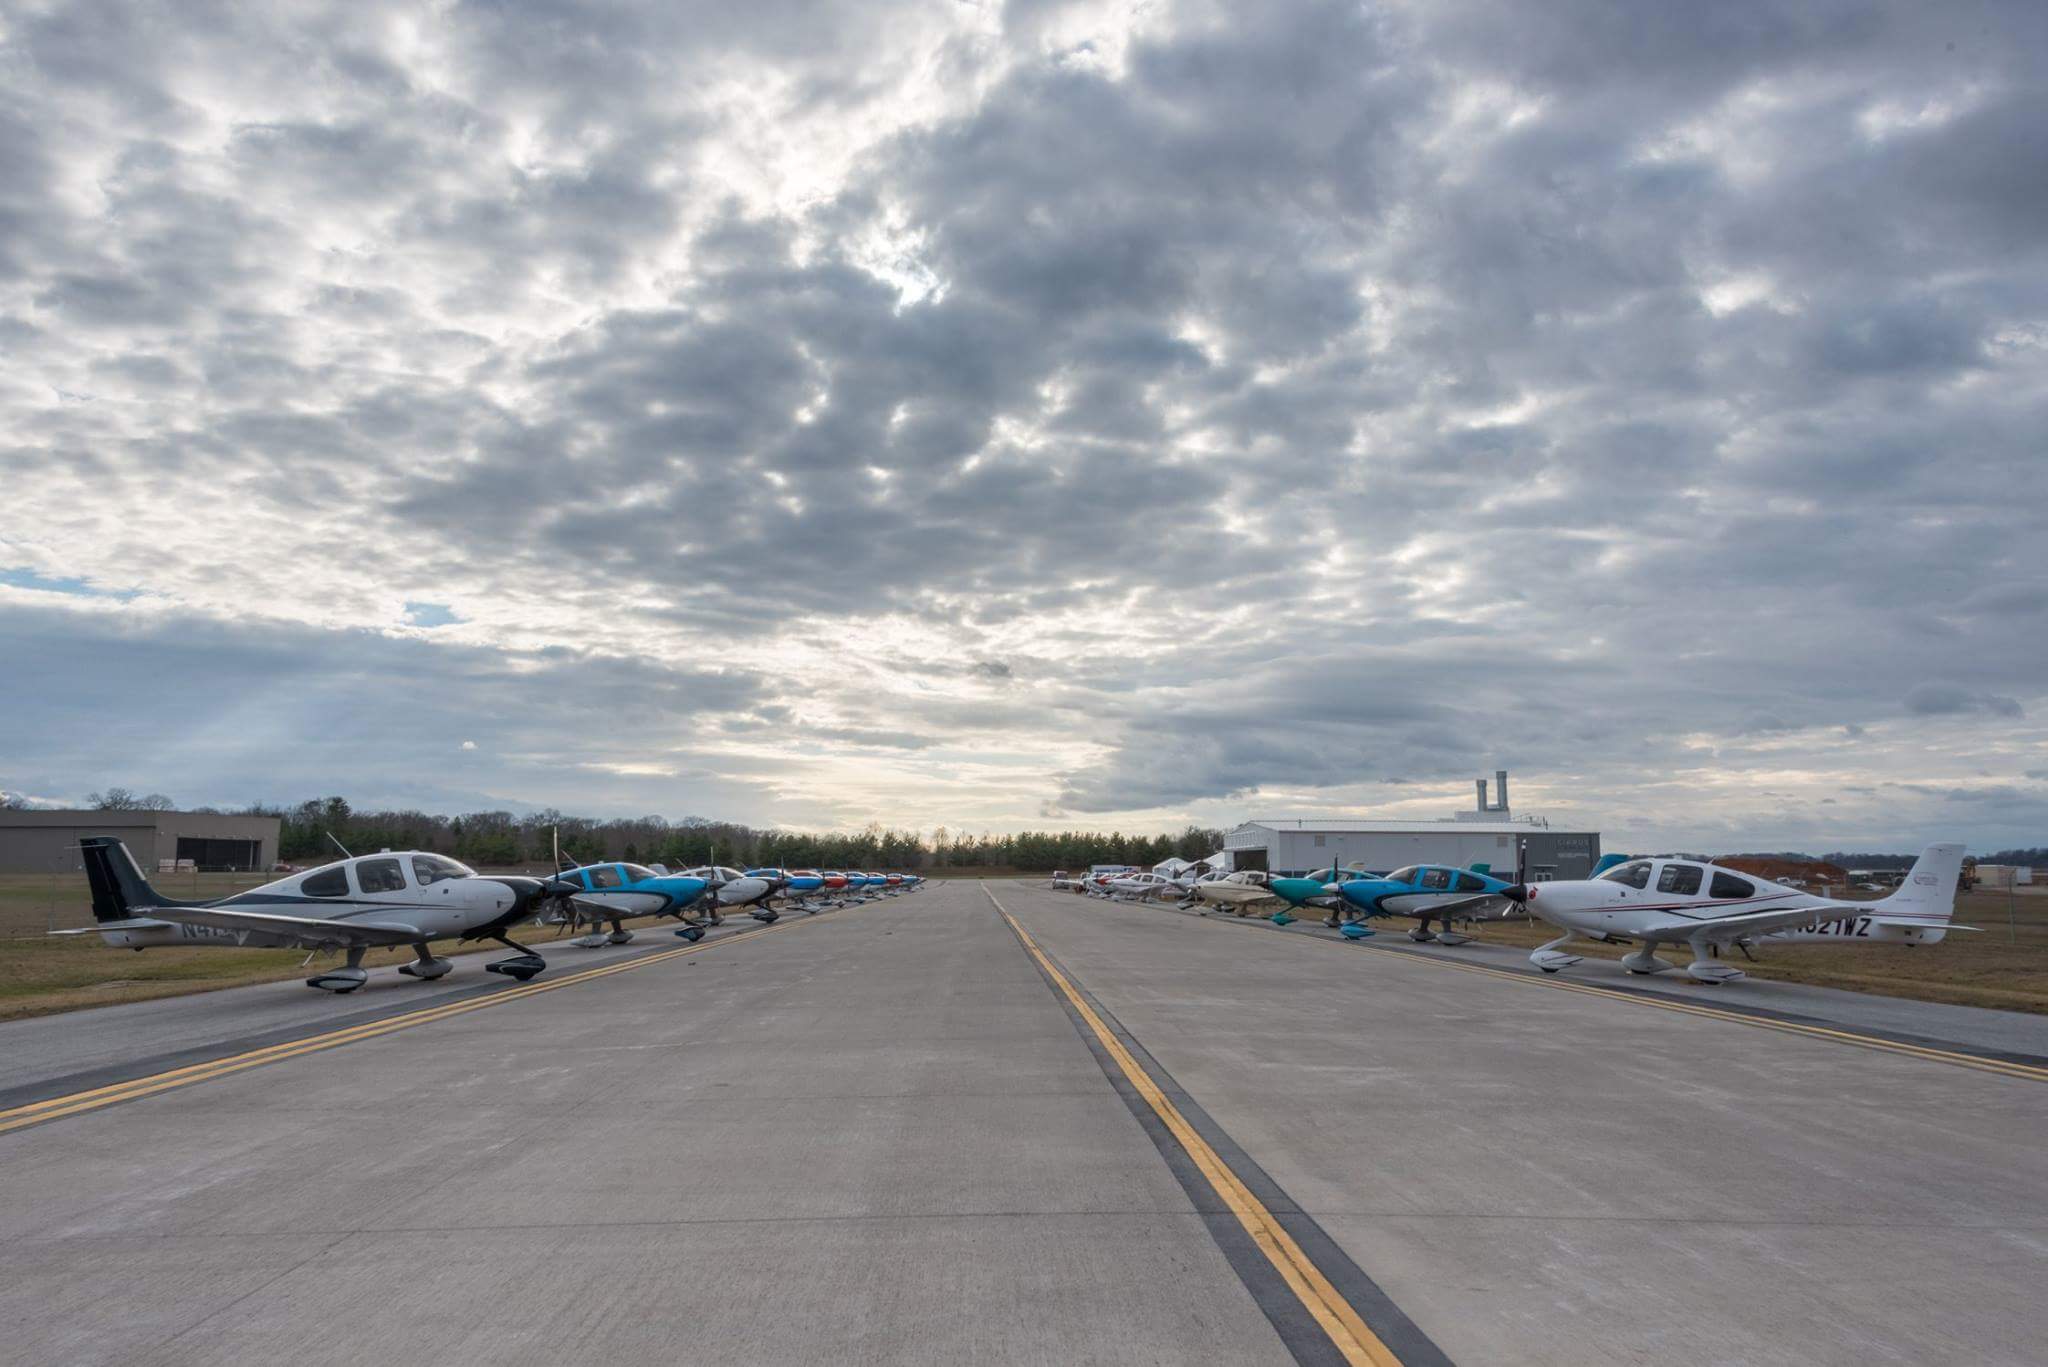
<point x="1003" y="415"/>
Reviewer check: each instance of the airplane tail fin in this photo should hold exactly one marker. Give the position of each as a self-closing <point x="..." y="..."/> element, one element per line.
<point x="1928" y="896"/>
<point x="1482" y="867"/>
<point x="118" y="887"/>
<point x="1607" y="861"/>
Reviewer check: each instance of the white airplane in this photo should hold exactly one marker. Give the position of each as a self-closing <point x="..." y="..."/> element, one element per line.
<point x="412" y="897"/>
<point x="731" y="889"/>
<point x="1139" y="886"/>
<point x="1239" y="892"/>
<point x="1682" y="901"/>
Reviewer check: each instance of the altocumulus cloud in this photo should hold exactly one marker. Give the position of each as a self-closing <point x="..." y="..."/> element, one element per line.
<point x="950" y="414"/>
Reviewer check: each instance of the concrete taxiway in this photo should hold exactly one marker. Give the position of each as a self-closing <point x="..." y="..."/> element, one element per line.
<point x="1018" y="1127"/>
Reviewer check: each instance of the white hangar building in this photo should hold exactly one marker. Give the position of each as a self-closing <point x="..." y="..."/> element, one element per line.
<point x="1488" y="835"/>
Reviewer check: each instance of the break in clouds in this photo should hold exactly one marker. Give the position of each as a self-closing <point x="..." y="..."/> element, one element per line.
<point x="1033" y="414"/>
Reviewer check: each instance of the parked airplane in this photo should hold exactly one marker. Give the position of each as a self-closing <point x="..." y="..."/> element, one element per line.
<point x="1706" y="906"/>
<point x="1128" y="887"/>
<point x="1316" y="889"/>
<point x="613" y="892"/>
<point x="1429" y="892"/>
<point x="1240" y="892"/>
<point x="411" y="897"/>
<point x="732" y="890"/>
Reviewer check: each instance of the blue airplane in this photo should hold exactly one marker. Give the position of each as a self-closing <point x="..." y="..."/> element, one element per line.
<point x="799" y="884"/>
<point x="612" y="892"/>
<point x="1427" y="892"/>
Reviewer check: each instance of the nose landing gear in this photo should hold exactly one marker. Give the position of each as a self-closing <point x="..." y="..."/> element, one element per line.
<point x="522" y="966"/>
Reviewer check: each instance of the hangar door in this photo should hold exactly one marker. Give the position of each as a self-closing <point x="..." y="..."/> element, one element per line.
<point x="219" y="854"/>
<point x="1248" y="859"/>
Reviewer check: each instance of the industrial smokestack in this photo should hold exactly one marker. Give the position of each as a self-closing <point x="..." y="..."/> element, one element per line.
<point x="1500" y="789"/>
<point x="1481" y="784"/>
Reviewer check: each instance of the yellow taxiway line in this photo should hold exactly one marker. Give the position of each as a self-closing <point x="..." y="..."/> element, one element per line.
<point x="34" y="1113"/>
<point x="1347" y="1331"/>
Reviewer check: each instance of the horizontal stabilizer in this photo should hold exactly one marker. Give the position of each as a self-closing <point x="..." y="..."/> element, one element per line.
<point x="1916" y="923"/>
<point x="132" y="923"/>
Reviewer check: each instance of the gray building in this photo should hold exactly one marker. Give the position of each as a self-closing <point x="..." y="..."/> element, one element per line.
<point x="1298" y="845"/>
<point x="47" y="842"/>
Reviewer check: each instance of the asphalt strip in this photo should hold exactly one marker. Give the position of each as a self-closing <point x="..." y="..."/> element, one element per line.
<point x="1325" y="1307"/>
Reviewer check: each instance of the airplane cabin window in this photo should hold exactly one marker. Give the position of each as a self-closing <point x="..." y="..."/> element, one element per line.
<point x="326" y="883"/>
<point x="1436" y="878"/>
<point x="1636" y="875"/>
<point x="638" y="873"/>
<point x="605" y="876"/>
<point x="1470" y="882"/>
<point x="1683" y="879"/>
<point x="1406" y="875"/>
<point x="380" y="875"/>
<point x="1727" y="885"/>
<point x="432" y="868"/>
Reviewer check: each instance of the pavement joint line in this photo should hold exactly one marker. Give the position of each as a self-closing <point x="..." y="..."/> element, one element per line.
<point x="77" y="1103"/>
<point x="1337" y="1317"/>
<point x="2001" y="1067"/>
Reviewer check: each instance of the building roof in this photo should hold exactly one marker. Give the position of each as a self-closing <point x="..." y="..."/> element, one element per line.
<point x="1358" y="826"/>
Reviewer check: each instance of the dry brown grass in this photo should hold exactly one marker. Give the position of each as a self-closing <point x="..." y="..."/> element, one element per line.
<point x="1999" y="965"/>
<point x="40" y="974"/>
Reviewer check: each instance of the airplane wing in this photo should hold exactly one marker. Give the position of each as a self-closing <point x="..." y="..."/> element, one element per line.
<point x="306" y="930"/>
<point x="1762" y="921"/>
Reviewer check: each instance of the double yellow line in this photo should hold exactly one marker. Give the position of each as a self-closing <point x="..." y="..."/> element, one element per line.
<point x="35" y="1113"/>
<point x="1336" y="1316"/>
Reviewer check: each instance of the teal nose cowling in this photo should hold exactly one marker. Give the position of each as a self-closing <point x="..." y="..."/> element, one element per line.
<point x="1296" y="891"/>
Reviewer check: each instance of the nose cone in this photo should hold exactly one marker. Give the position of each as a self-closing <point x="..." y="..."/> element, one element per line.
<point x="525" y="892"/>
<point x="1519" y="892"/>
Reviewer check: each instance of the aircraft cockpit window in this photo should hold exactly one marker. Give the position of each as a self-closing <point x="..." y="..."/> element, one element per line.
<point x="432" y="868"/>
<point x="1728" y="885"/>
<point x="638" y="873"/>
<point x="1436" y="878"/>
<point x="1636" y="875"/>
<point x="605" y="876"/>
<point x="326" y="883"/>
<point x="380" y="875"/>
<point x="1406" y="875"/>
<point x="1470" y="882"/>
<point x="1683" y="879"/>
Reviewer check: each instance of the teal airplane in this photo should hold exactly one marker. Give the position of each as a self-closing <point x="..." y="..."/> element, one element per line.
<point x="1427" y="892"/>
<point x="1315" y="890"/>
<point x="598" y="893"/>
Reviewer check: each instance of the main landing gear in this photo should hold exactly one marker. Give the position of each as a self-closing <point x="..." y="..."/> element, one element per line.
<point x="1704" y="968"/>
<point x="346" y="979"/>
<point x="766" y="914"/>
<point x="426" y="967"/>
<point x="691" y="931"/>
<point x="598" y="939"/>
<point x="523" y="965"/>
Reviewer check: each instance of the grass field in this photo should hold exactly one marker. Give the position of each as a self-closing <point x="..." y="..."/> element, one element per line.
<point x="39" y="974"/>
<point x="2003" y="964"/>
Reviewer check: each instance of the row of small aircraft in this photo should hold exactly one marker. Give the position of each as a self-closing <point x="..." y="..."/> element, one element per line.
<point x="1643" y="903"/>
<point x="416" y="897"/>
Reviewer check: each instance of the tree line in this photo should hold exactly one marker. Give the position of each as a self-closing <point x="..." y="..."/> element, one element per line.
<point x="311" y="830"/>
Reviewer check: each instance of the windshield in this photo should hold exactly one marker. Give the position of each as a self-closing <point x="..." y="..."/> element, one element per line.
<point x="1406" y="875"/>
<point x="434" y="868"/>
<point x="1635" y="875"/>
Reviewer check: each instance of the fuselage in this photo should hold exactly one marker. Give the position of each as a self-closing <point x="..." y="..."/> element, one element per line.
<point x="427" y="892"/>
<point x="1670" y="899"/>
